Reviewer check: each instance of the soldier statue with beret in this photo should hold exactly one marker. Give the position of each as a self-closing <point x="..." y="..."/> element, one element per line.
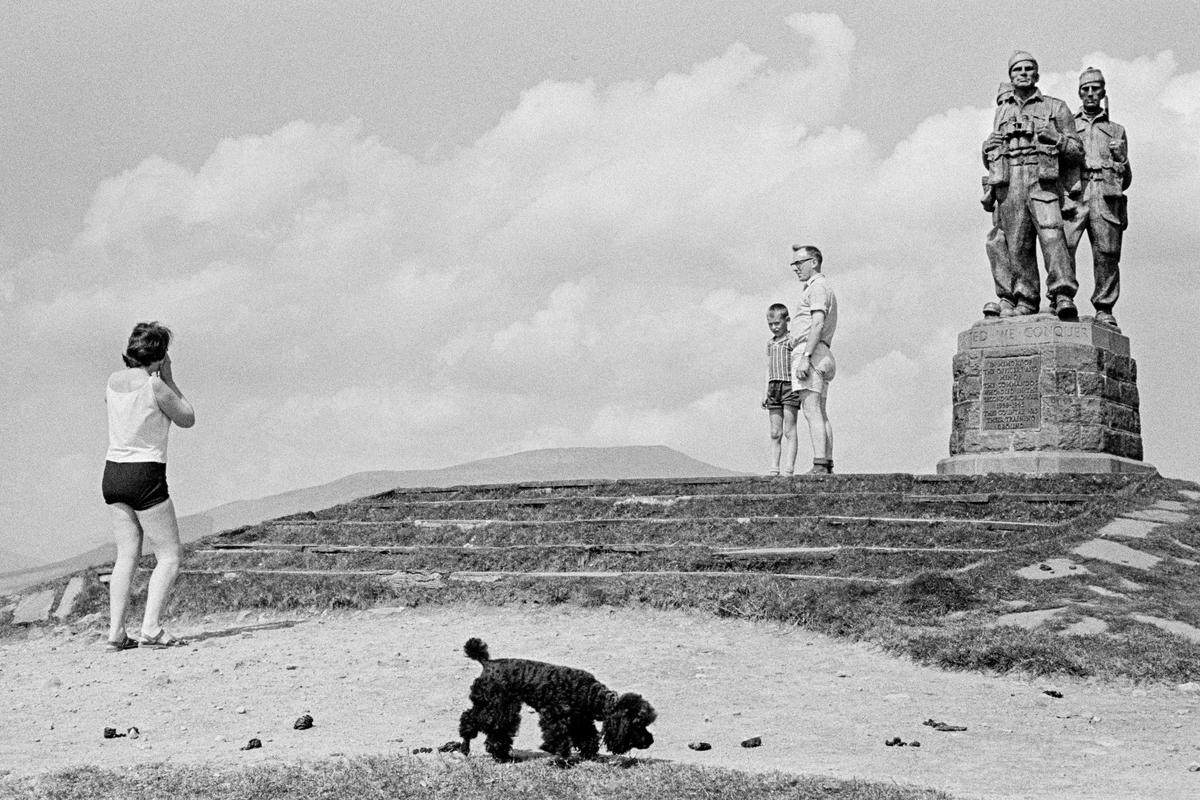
<point x="1096" y="202"/>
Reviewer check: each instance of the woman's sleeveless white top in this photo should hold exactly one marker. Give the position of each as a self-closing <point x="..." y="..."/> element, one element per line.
<point x="137" y="429"/>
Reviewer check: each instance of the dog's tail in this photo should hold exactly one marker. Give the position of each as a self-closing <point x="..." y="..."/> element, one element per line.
<point x="476" y="649"/>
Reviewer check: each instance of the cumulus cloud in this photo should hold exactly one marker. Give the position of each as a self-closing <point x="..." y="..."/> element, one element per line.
<point x="594" y="269"/>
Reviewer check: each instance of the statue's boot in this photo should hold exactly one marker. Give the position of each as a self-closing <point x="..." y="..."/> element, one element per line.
<point x="1106" y="318"/>
<point x="1021" y="309"/>
<point x="1064" y="308"/>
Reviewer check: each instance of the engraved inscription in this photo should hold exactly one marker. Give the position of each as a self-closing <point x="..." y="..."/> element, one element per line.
<point x="1010" y="396"/>
<point x="1042" y="332"/>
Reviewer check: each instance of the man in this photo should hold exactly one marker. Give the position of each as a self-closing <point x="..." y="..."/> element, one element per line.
<point x="1100" y="193"/>
<point x="813" y="367"/>
<point x="1035" y="136"/>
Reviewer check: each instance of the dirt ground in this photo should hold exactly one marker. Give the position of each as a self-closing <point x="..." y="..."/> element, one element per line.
<point x="389" y="680"/>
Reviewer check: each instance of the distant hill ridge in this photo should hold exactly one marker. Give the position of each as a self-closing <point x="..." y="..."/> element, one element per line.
<point x="560" y="463"/>
<point x="10" y="561"/>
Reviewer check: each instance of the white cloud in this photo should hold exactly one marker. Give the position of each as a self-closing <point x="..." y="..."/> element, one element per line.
<point x="593" y="270"/>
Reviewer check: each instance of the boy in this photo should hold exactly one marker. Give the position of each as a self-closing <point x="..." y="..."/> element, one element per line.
<point x="781" y="402"/>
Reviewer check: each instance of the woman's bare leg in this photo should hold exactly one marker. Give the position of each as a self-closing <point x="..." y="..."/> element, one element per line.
<point x="161" y="527"/>
<point x="128" y="535"/>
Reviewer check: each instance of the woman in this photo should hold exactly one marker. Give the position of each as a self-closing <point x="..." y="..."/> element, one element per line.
<point x="143" y="401"/>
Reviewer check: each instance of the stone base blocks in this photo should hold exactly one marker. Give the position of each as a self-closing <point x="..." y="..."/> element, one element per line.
<point x="1033" y="394"/>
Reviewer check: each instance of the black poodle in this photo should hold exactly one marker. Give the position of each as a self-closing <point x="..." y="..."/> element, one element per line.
<point x="567" y="701"/>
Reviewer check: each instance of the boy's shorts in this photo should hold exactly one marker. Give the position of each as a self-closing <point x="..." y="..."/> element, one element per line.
<point x="780" y="395"/>
<point x="820" y="373"/>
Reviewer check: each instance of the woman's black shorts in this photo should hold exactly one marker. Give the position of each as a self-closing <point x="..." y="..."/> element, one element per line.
<point x="138" y="484"/>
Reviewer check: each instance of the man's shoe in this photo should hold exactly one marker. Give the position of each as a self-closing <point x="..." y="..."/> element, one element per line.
<point x="821" y="466"/>
<point x="992" y="309"/>
<point x="1106" y="318"/>
<point x="1064" y="308"/>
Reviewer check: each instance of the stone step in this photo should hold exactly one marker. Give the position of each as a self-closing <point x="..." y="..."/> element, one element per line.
<point x="34" y="607"/>
<point x="884" y="562"/>
<point x="745" y="532"/>
<point x="429" y="577"/>
<point x="970" y="506"/>
<point x="635" y="547"/>
<point x="1090" y="485"/>
<point x="465" y="524"/>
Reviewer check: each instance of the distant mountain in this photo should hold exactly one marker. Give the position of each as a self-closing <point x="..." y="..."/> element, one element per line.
<point x="10" y="561"/>
<point x="564" y="463"/>
<point x="195" y="526"/>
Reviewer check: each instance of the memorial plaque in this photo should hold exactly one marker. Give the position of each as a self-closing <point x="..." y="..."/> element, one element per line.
<point x="1010" y="396"/>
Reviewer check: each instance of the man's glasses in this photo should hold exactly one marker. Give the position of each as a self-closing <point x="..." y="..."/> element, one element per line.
<point x="796" y="264"/>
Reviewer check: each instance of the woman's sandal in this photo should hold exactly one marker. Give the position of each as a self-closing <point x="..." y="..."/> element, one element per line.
<point x="160" y="640"/>
<point x="116" y="647"/>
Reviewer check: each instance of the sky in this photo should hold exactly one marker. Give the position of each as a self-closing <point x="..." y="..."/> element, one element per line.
<point x="408" y="235"/>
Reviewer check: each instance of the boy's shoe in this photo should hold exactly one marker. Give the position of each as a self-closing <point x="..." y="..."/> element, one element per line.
<point x="774" y="473"/>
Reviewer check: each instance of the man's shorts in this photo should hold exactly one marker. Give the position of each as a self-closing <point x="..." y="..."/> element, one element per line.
<point x="824" y="367"/>
<point x="780" y="395"/>
<point x="139" y="484"/>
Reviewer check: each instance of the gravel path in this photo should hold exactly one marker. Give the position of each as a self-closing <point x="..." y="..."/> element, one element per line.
<point x="389" y="680"/>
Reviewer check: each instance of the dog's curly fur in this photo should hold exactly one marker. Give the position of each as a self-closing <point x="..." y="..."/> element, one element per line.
<point x="567" y="701"/>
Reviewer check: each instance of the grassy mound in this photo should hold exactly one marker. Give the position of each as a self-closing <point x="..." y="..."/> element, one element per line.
<point x="920" y="565"/>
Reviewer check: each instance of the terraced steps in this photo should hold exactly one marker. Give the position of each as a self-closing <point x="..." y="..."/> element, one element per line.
<point x="854" y="527"/>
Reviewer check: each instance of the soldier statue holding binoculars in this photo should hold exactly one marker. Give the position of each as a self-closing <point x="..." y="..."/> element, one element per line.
<point x="1032" y="148"/>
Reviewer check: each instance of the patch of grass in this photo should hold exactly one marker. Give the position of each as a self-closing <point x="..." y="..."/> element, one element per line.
<point x="1002" y="649"/>
<point x="1130" y="651"/>
<point x="938" y="593"/>
<point x="471" y="779"/>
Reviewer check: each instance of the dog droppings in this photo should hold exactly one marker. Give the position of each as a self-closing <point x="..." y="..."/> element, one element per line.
<point x="303" y="722"/>
<point x="253" y="744"/>
<point x="753" y="741"/>
<point x="701" y="746"/>
<point x="1053" y="693"/>
<point x="945" y="727"/>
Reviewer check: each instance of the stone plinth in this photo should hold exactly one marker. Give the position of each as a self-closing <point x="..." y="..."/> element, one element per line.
<point x="1033" y="394"/>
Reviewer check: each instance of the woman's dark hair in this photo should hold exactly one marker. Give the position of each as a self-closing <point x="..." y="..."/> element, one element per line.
<point x="147" y="344"/>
